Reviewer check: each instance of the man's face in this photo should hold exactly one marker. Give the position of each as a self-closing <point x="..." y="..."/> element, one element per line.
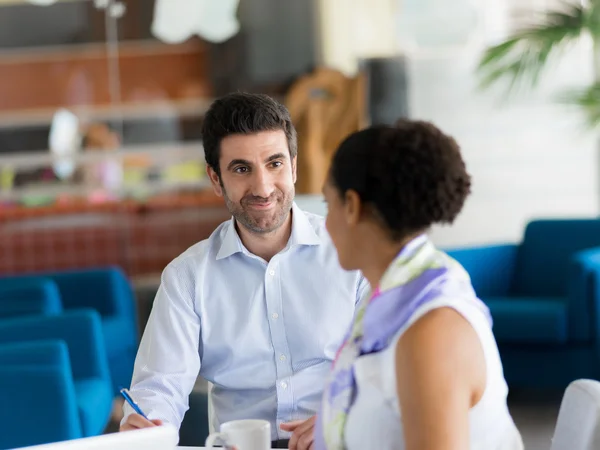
<point x="257" y="179"/>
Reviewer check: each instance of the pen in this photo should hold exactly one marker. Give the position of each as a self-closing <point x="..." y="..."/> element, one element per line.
<point x="125" y="393"/>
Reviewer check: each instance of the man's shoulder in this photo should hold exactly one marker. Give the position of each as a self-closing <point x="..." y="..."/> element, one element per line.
<point x="316" y="221"/>
<point x="318" y="224"/>
<point x="327" y="251"/>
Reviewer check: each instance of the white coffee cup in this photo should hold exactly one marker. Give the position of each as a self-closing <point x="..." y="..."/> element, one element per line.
<point x="243" y="435"/>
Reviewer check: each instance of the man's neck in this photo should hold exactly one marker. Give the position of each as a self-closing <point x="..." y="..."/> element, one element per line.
<point x="266" y="245"/>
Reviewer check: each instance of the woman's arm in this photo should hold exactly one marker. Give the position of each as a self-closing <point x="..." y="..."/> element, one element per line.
<point x="441" y="374"/>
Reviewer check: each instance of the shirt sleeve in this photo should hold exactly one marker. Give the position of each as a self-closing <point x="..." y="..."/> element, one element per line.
<point x="168" y="359"/>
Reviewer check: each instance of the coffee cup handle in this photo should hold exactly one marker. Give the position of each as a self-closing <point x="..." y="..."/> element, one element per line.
<point x="214" y="437"/>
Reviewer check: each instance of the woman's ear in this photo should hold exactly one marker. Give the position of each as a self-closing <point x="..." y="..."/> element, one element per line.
<point x="352" y="207"/>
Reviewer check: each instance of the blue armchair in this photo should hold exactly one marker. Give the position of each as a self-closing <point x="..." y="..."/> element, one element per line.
<point x="108" y="291"/>
<point x="544" y="297"/>
<point x="24" y="297"/>
<point x="81" y="331"/>
<point x="38" y="394"/>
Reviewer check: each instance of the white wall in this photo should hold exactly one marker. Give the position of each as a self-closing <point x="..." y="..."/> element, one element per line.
<point x="349" y="29"/>
<point x="528" y="157"/>
<point x="313" y="203"/>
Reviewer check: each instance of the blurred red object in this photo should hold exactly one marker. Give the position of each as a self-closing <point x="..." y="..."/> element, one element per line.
<point x="142" y="238"/>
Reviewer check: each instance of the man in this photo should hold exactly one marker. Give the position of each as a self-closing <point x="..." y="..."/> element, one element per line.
<point x="260" y="308"/>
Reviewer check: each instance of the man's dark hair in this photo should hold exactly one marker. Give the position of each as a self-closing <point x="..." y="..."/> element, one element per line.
<point x="411" y="174"/>
<point x="243" y="113"/>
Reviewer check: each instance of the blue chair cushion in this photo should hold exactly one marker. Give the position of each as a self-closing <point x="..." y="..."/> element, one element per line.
<point x="542" y="269"/>
<point x="38" y="405"/>
<point x="121" y="350"/>
<point x="117" y="335"/>
<point x="94" y="409"/>
<point x="37" y="373"/>
<point x="121" y="368"/>
<point x="37" y="296"/>
<point x="529" y="320"/>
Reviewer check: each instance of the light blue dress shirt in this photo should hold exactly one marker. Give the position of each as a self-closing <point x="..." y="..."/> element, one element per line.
<point x="264" y="333"/>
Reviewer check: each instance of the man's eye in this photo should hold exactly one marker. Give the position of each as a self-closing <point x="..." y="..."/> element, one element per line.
<point x="241" y="169"/>
<point x="276" y="163"/>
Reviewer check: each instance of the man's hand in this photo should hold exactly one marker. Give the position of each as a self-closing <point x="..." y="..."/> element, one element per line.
<point x="303" y="433"/>
<point x="135" y="422"/>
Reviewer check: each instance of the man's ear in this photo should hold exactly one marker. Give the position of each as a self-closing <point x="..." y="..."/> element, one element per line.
<point x="215" y="181"/>
<point x="294" y="168"/>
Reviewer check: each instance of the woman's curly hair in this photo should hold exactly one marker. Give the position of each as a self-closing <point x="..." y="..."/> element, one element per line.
<point x="412" y="175"/>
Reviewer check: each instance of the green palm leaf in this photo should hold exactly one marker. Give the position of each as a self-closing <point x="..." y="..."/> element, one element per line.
<point x="593" y="19"/>
<point x="588" y="102"/>
<point x="522" y="57"/>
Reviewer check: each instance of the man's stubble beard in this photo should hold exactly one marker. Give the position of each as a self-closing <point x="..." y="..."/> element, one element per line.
<point x="283" y="202"/>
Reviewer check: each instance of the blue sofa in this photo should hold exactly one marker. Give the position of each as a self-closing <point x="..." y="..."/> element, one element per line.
<point x="107" y="290"/>
<point x="544" y="297"/>
<point x="91" y="385"/>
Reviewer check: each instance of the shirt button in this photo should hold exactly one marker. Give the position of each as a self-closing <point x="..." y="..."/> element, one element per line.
<point x="275" y="316"/>
<point x="282" y="358"/>
<point x="272" y="272"/>
<point x="283" y="385"/>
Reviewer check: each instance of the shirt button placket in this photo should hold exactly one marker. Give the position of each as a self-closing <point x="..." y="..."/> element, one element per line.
<point x="282" y="360"/>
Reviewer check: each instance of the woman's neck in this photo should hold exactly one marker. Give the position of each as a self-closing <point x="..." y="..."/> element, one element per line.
<point x="378" y="256"/>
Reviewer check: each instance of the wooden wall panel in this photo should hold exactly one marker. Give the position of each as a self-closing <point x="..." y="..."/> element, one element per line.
<point x="76" y="76"/>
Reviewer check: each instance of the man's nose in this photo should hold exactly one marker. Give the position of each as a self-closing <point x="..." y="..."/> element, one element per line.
<point x="262" y="184"/>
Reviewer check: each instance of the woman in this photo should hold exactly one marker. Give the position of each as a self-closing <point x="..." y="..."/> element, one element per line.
<point x="420" y="368"/>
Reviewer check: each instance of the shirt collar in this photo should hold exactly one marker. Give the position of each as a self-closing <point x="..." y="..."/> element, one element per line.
<point x="231" y="242"/>
<point x="303" y="233"/>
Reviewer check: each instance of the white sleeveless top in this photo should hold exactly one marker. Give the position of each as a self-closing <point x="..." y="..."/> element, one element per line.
<point x="374" y="418"/>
